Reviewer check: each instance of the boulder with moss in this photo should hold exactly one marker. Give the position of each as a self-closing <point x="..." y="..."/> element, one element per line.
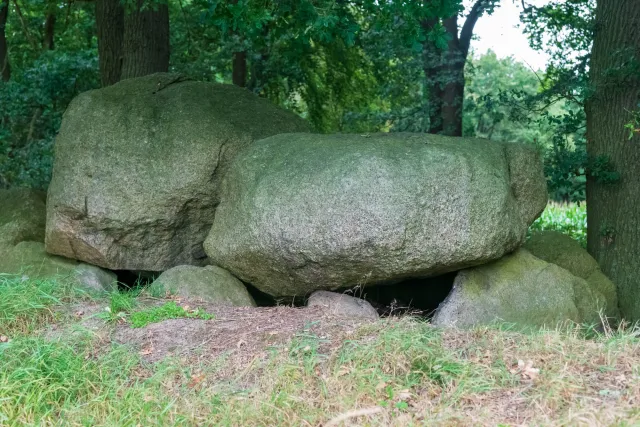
<point x="138" y="165"/>
<point x="22" y="216"/>
<point x="30" y="260"/>
<point x="565" y="252"/>
<point x="305" y="212"/>
<point x="521" y="289"/>
<point x="209" y="284"/>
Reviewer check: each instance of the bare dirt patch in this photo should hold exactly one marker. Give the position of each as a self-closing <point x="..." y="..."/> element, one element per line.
<point x="241" y="332"/>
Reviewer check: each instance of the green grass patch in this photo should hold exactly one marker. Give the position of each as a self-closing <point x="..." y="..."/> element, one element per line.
<point x="169" y="310"/>
<point x="27" y="304"/>
<point x="570" y="219"/>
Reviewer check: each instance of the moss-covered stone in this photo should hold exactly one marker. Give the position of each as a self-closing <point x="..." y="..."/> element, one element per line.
<point x="565" y="252"/>
<point x="31" y="260"/>
<point x="522" y="289"/>
<point x="22" y="216"/>
<point x="303" y="212"/>
<point x="137" y="168"/>
<point x="211" y="284"/>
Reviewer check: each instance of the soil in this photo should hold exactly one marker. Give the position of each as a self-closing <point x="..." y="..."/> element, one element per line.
<point x="244" y="334"/>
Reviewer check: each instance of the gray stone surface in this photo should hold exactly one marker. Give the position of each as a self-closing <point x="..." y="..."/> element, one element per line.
<point x="32" y="261"/>
<point x="565" y="252"/>
<point x="138" y="165"/>
<point x="210" y="284"/>
<point x="303" y="212"/>
<point x="342" y="305"/>
<point x="520" y="289"/>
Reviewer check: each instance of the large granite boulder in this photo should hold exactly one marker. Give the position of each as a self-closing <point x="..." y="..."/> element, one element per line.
<point x="138" y="165"/>
<point x="565" y="252"/>
<point x="31" y="261"/>
<point x="22" y="216"/>
<point x="520" y="289"/>
<point x="210" y="284"/>
<point x="303" y="212"/>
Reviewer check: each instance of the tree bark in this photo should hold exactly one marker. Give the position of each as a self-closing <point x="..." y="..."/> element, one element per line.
<point x="146" y="41"/>
<point x="453" y="80"/>
<point x="444" y="71"/>
<point x="48" y="42"/>
<point x="110" y="29"/>
<point x="614" y="209"/>
<point x="432" y="63"/>
<point x="5" y="67"/>
<point x="239" y="73"/>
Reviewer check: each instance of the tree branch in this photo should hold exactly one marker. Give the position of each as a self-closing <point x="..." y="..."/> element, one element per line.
<point x="467" y="29"/>
<point x="25" y="29"/>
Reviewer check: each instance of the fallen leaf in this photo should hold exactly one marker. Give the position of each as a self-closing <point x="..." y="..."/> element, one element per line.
<point x="195" y="380"/>
<point x="381" y="385"/>
<point x="404" y="395"/>
<point x="146" y="351"/>
<point x="526" y="370"/>
<point x="343" y="371"/>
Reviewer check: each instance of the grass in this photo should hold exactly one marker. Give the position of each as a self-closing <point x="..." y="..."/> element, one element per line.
<point x="26" y="304"/>
<point x="570" y="219"/>
<point x="395" y="372"/>
<point x="169" y="310"/>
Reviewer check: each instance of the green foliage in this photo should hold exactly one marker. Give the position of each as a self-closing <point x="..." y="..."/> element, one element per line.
<point x="507" y="101"/>
<point x="345" y="66"/>
<point x="169" y="310"/>
<point x="633" y="126"/>
<point x="42" y="84"/>
<point x="570" y="219"/>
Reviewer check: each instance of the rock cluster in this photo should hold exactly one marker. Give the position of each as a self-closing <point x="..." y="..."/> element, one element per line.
<point x="212" y="187"/>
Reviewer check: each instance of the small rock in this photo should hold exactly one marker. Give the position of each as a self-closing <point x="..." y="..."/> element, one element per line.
<point x="32" y="261"/>
<point x="342" y="305"/>
<point x="210" y="284"/>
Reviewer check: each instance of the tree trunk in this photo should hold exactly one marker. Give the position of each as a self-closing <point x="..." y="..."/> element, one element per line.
<point x="432" y="59"/>
<point x="433" y="87"/>
<point x="614" y="209"/>
<point x="110" y="28"/>
<point x="239" y="74"/>
<point x="453" y="80"/>
<point x="5" y="67"/>
<point x="444" y="72"/>
<point x="49" y="31"/>
<point x="146" y="41"/>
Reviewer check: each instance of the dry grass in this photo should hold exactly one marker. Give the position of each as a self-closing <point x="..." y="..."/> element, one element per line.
<point x="396" y="372"/>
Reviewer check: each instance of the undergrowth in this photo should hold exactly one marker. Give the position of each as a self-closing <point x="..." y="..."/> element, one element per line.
<point x="570" y="219"/>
